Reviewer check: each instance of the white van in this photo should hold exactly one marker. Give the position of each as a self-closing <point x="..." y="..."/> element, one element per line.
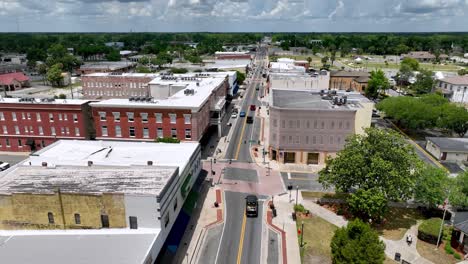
<point x="4" y="165"/>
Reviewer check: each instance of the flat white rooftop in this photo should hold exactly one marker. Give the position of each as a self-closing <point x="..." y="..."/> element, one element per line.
<point x="122" y="75"/>
<point x="113" y="153"/>
<point x="202" y="87"/>
<point x="117" y="246"/>
<point x="42" y="101"/>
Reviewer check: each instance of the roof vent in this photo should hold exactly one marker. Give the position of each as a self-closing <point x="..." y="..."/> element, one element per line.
<point x="44" y="164"/>
<point x="90" y="163"/>
<point x="149" y="163"/>
<point x="198" y="84"/>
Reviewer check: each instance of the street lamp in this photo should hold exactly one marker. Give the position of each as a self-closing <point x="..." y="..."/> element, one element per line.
<point x="297" y="193"/>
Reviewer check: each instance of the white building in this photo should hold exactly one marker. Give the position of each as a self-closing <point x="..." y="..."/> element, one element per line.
<point x="286" y="65"/>
<point x="154" y="180"/>
<point x="454" y="88"/>
<point x="300" y="81"/>
<point x="448" y="149"/>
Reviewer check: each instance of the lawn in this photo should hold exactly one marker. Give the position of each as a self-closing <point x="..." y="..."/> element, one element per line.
<point x="330" y="195"/>
<point x="398" y="221"/>
<point x="317" y="237"/>
<point x="437" y="256"/>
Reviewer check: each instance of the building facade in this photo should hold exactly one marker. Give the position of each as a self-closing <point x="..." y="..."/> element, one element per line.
<point x="94" y="187"/>
<point x="448" y="149"/>
<point x="106" y="66"/>
<point x="349" y="80"/>
<point x="307" y="127"/>
<point x="29" y="124"/>
<point x="180" y="107"/>
<point x="454" y="88"/>
<point x="106" y="86"/>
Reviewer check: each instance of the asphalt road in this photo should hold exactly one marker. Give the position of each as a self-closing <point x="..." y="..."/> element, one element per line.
<point x="235" y="228"/>
<point x="305" y="181"/>
<point x="13" y="159"/>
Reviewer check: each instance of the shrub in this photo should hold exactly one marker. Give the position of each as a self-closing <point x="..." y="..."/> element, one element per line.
<point x="449" y="249"/>
<point x="168" y="140"/>
<point x="62" y="96"/>
<point x="429" y="230"/>
<point x="299" y="208"/>
<point x="179" y="70"/>
<point x="457" y="256"/>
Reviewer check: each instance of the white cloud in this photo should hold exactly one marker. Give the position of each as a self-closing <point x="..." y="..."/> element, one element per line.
<point x="339" y="8"/>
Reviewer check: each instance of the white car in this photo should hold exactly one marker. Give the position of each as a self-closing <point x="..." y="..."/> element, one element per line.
<point x="4" y="165"/>
<point x="234" y="115"/>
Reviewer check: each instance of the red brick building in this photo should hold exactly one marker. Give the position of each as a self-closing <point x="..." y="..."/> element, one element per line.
<point x="181" y="108"/>
<point x="105" y="86"/>
<point x="28" y="124"/>
<point x="232" y="55"/>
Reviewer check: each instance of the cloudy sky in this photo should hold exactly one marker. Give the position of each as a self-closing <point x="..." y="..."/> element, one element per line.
<point x="233" y="15"/>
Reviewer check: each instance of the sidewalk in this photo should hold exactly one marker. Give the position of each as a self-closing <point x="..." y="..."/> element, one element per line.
<point x="408" y="253"/>
<point x="193" y="239"/>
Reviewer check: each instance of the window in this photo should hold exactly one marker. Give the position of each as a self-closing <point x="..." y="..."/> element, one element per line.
<point x="174" y="133"/>
<point x="25" y="130"/>
<point x="41" y="131"/>
<point x="307" y="139"/>
<point x="340" y="125"/>
<point x="315" y="123"/>
<point x="321" y="139"/>
<point x="130" y="117"/>
<point x="145" y="132"/>
<point x="116" y="116"/>
<point x="144" y="117"/>
<point x="102" y="116"/>
<point x="323" y="124"/>
<point x="133" y="222"/>
<point x="13" y="116"/>
<point x="43" y="143"/>
<point x="77" y="219"/>
<point x="68" y="130"/>
<point x="105" y="221"/>
<point x="2" y="116"/>
<point x="50" y="216"/>
<point x="308" y="124"/>
<point x="52" y="131"/>
<point x="175" y="203"/>
<point x="104" y="131"/>
<point x="187" y="119"/>
<point x="298" y="123"/>
<point x="5" y="130"/>
<point x="275" y="123"/>
<point x="132" y="131"/>
<point x="173" y="118"/>
<point x="51" y="117"/>
<point x="347" y="125"/>
<point x="188" y="134"/>
<point x="283" y="124"/>
<point x="77" y="132"/>
<point x="7" y="142"/>
<point x="65" y="117"/>
<point x="290" y="139"/>
<point x="314" y="140"/>
<point x="20" y="143"/>
<point x="166" y="220"/>
<point x="38" y="117"/>
<point x="332" y="124"/>
<point x="75" y="118"/>
<point x="28" y="115"/>
<point x="291" y="123"/>
<point x="160" y="133"/>
<point x="60" y="117"/>
<point x="17" y="130"/>
<point x="23" y="116"/>
<point x="118" y="131"/>
<point x="62" y="130"/>
<point x="331" y="139"/>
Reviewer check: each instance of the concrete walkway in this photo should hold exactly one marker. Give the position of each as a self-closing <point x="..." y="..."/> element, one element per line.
<point x="408" y="253"/>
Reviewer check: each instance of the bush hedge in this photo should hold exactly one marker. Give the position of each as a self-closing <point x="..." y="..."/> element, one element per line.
<point x="429" y="230"/>
<point x="434" y="212"/>
<point x="299" y="208"/>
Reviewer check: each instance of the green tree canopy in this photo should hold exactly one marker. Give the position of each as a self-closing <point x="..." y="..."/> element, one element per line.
<point x="113" y="55"/>
<point x="454" y="118"/>
<point x="432" y="186"/>
<point x="378" y="160"/>
<point x="412" y="63"/>
<point x="357" y="243"/>
<point x="377" y="83"/>
<point x="240" y="77"/>
<point x="424" y="82"/>
<point x="459" y="190"/>
<point x="54" y="74"/>
<point x="143" y="69"/>
<point x="368" y="204"/>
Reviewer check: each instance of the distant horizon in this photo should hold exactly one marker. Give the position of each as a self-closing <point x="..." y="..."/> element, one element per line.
<point x="236" y="32"/>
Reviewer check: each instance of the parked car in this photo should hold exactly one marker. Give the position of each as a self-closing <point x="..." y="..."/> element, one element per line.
<point x="234" y="115"/>
<point x="4" y="165"/>
<point x="242" y="114"/>
<point x="253" y="107"/>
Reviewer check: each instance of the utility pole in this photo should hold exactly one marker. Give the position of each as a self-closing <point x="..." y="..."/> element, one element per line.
<point x="297" y="193"/>
<point x="302" y="234"/>
<point x="442" y="223"/>
<point x="62" y="211"/>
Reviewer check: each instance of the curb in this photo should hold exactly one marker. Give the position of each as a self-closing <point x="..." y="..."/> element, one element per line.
<point x="283" y="236"/>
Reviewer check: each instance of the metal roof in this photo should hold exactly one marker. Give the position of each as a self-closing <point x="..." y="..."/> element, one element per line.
<point x="450" y="144"/>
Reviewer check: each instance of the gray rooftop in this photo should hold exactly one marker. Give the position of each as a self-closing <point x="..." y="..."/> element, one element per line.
<point x="137" y="180"/>
<point x="75" y="248"/>
<point x="313" y="100"/>
<point x="349" y="73"/>
<point x="461" y="221"/>
<point x="450" y="144"/>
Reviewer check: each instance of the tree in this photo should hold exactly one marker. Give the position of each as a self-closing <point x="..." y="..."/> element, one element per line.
<point x="179" y="70"/>
<point x="240" y="77"/>
<point x="462" y="72"/>
<point x="454" y="118"/>
<point x="54" y="75"/>
<point x="324" y="60"/>
<point x="412" y="63"/>
<point x="309" y="60"/>
<point x="377" y="83"/>
<point x="143" y="69"/>
<point x="424" y="82"/>
<point x="113" y="55"/>
<point x="459" y="190"/>
<point x="144" y="60"/>
<point x="368" y="204"/>
<point x="379" y="160"/>
<point x="431" y="186"/>
<point x="357" y="243"/>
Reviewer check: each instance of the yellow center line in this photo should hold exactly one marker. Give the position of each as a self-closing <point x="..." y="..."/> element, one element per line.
<point x="241" y="241"/>
<point x="242" y="132"/>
